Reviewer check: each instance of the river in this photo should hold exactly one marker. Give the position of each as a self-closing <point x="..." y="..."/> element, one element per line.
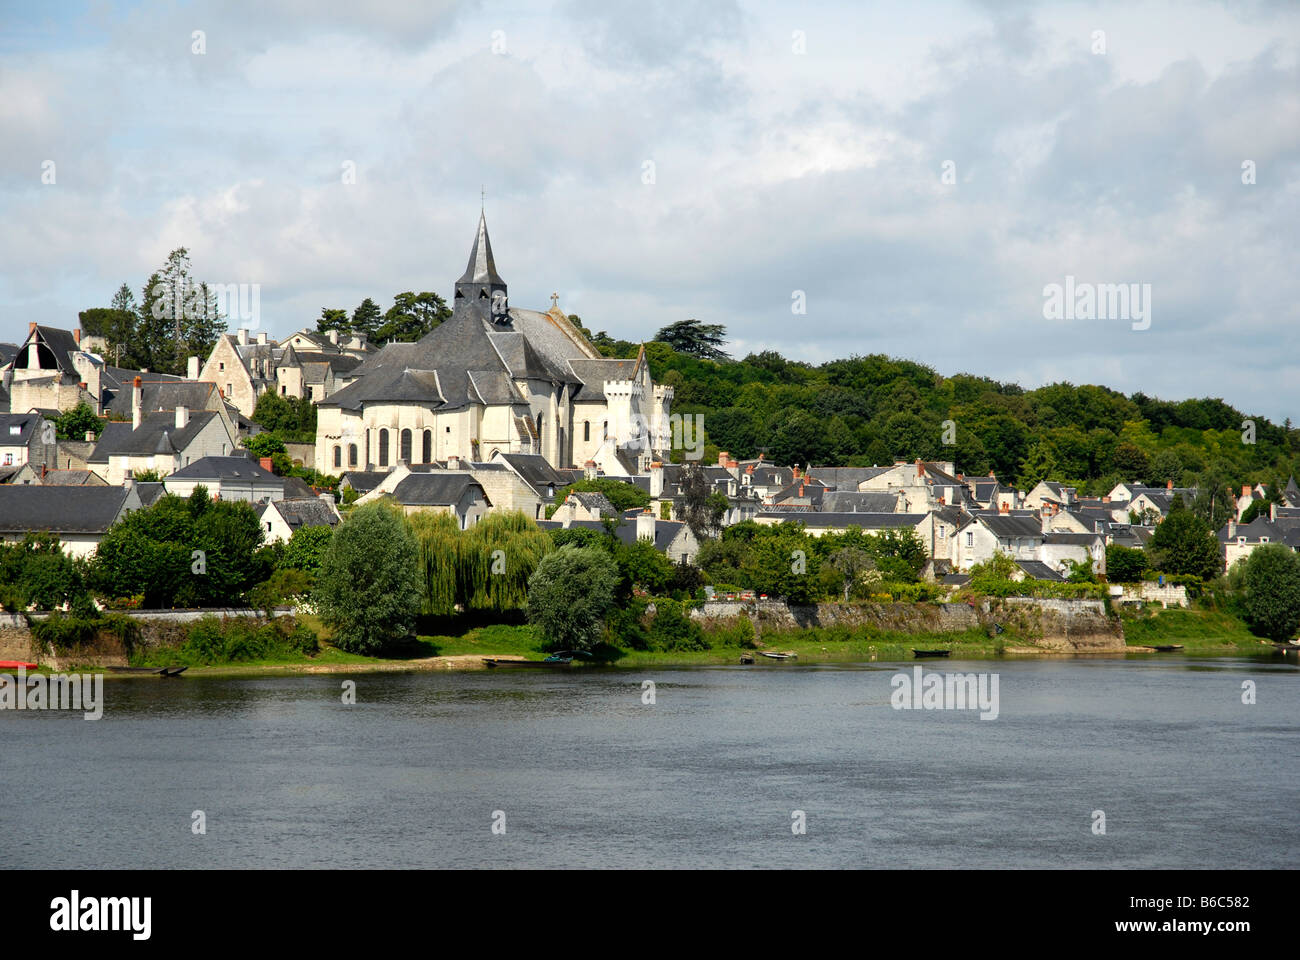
<point x="581" y="772"/>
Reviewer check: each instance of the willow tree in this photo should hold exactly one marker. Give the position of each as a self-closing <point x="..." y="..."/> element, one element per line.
<point x="483" y="568"/>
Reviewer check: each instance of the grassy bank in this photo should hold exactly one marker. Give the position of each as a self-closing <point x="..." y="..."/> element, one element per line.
<point x="462" y="645"/>
<point x="1201" y="632"/>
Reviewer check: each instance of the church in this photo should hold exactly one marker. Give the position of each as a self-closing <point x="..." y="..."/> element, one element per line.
<point x="495" y="379"/>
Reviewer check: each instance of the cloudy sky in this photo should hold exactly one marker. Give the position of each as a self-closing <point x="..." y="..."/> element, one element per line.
<point x="789" y="147"/>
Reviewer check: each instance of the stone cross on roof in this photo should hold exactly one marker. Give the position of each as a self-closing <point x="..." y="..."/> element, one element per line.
<point x="555" y="300"/>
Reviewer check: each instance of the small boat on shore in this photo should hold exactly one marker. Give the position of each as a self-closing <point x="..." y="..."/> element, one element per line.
<point x="160" y="671"/>
<point x="919" y="654"/>
<point x="1167" y="647"/>
<point x="746" y="658"/>
<point x="779" y="656"/>
<point x="17" y="665"/>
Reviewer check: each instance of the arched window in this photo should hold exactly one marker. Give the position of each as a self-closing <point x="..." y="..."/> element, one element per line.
<point x="586" y="430"/>
<point x="383" y="448"/>
<point x="352" y="454"/>
<point x="428" y="447"/>
<point x="338" y="456"/>
<point x="406" y="446"/>
<point x="604" y="430"/>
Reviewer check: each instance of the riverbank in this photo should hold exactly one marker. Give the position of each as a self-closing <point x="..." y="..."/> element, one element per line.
<point x="1200" y="632"/>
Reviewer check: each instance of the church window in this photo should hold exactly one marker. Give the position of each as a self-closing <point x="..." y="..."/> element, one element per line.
<point x="406" y="446"/>
<point x="428" y="447"/>
<point x="338" y="456"/>
<point x="352" y="454"/>
<point x="383" y="448"/>
<point x="586" y="430"/>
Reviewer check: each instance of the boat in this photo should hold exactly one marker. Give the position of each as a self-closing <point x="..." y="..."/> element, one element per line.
<point x="746" y="658"/>
<point x="1167" y="647"/>
<point x="172" y="671"/>
<point x="779" y="656"/>
<point x="17" y="665"/>
<point x="160" y="671"/>
<point x="931" y="653"/>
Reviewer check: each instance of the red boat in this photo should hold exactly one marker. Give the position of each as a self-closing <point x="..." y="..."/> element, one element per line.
<point x="15" y="664"/>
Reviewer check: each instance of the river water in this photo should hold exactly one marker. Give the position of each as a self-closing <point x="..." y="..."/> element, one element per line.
<point x="582" y="773"/>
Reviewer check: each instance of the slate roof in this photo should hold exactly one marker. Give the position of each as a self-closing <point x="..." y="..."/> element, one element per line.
<point x="594" y="501"/>
<point x="440" y="488"/>
<point x="157" y="434"/>
<point x="157" y="395"/>
<point x="666" y="531"/>
<point x="59" y="509"/>
<point x="846" y="478"/>
<point x="1284" y="531"/>
<point x="867" y="521"/>
<point x="27" y="424"/>
<point x="1292" y="493"/>
<point x="363" y="481"/>
<point x="1074" y="539"/>
<point x="535" y="470"/>
<point x="241" y="469"/>
<point x="71" y="478"/>
<point x="854" y="501"/>
<point x="1039" y="570"/>
<point x="304" y="512"/>
<point x="1010" y="526"/>
<point x="594" y="373"/>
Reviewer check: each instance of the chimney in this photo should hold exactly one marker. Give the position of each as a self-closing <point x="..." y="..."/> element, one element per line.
<point x="76" y="336"/>
<point x="192" y="370"/>
<point x="723" y="455"/>
<point x="182" y="417"/>
<point x="334" y="337"/>
<point x="31" y="327"/>
<point x="656" y="479"/>
<point x="1245" y="490"/>
<point x="1169" y="484"/>
<point x="137" y="402"/>
<point x="1106" y="499"/>
<point x="797" y="473"/>
<point x="1232" y="529"/>
<point x="961" y="477"/>
<point x="1003" y="508"/>
<point x="992" y="475"/>
<point x="261" y="338"/>
<point x="453" y="462"/>
<point x="90" y="436"/>
<point x="242" y="336"/>
<point x="645" y="524"/>
<point x="589" y="470"/>
<point x="1272" y="511"/>
<point x="265" y="464"/>
<point x="920" y="470"/>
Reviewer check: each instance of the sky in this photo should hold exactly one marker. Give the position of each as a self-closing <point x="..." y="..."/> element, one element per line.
<point x="915" y="175"/>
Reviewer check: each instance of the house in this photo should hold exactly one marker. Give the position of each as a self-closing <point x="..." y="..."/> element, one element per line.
<point x="280" y="518"/>
<point x="55" y="369"/>
<point x="162" y="442"/>
<point x="1019" y="535"/>
<point x="1047" y="491"/>
<point x="78" y="516"/>
<point x="26" y="438"/>
<point x="1060" y="549"/>
<point x="226" y="478"/>
<point x="818" y="523"/>
<point x="72" y="478"/>
<point x="495" y="379"/>
<point x="672" y="538"/>
<point x="1291" y="495"/>
<point x="584" y="506"/>
<point x="170" y="395"/>
<point x="444" y="491"/>
<point x="1239" y="540"/>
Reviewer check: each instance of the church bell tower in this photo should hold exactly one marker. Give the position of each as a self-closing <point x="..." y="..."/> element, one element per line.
<point x="481" y="289"/>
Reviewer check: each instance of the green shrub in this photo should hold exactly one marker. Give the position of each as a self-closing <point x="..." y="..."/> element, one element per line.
<point x="671" y="629"/>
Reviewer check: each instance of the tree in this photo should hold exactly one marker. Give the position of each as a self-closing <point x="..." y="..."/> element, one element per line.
<point x="703" y="340"/>
<point x="306" y="549"/>
<point x="333" y="319"/>
<point x="1039" y="464"/>
<point x="411" y="317"/>
<point x="570" y="595"/>
<point x="1125" y="564"/>
<point x="1130" y="461"/>
<point x="74" y="424"/>
<point x="36" y="572"/>
<point x="623" y="496"/>
<point x="367" y="318"/>
<point x="852" y="564"/>
<point x="368" y="586"/>
<point x="182" y="552"/>
<point x="701" y="511"/>
<point x="1183" y="544"/>
<point x="1272" y="581"/>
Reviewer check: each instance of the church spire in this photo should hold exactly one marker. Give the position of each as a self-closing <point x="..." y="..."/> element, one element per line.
<point x="481" y="288"/>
